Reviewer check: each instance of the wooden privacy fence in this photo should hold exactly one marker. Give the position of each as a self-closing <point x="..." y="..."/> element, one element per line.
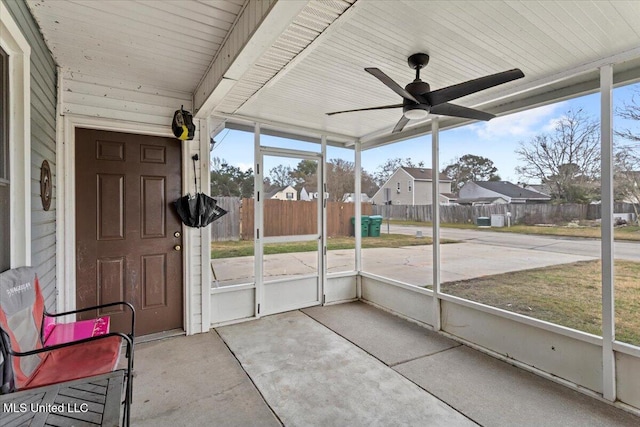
<point x="288" y="217"/>
<point x="594" y="211"/>
<point x="448" y="214"/>
<point x="547" y="213"/>
<point x="538" y="213"/>
<point x="227" y="227"/>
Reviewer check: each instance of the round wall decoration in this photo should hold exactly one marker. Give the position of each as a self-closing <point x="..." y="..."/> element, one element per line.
<point x="46" y="186"/>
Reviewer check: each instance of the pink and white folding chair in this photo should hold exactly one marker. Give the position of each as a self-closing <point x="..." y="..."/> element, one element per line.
<point x="37" y="358"/>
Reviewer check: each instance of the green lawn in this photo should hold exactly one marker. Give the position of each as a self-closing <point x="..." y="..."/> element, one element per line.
<point x="245" y="247"/>
<point x="568" y="294"/>
<point x="631" y="233"/>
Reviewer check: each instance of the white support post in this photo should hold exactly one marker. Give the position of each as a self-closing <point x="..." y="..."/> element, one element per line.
<point x="205" y="232"/>
<point x="435" y="216"/>
<point x="608" y="313"/>
<point x="322" y="214"/>
<point x="258" y="228"/>
<point x="358" y="209"/>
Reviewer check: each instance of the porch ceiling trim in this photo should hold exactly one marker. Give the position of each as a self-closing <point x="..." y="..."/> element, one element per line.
<point x="283" y="130"/>
<point x="258" y="25"/>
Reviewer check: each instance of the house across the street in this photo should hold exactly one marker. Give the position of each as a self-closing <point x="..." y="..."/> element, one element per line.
<point x="411" y="186"/>
<point x="495" y="192"/>
<point x="283" y="193"/>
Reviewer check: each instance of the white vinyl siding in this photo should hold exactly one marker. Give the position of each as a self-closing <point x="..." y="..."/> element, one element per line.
<point x="419" y="191"/>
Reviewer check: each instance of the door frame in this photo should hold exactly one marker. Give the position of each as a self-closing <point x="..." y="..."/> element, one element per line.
<point x="19" y="144"/>
<point x="66" y="211"/>
<point x="320" y="234"/>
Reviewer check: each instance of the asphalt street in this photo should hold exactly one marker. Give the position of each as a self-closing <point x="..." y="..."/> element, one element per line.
<point x="563" y="245"/>
<point x="477" y="253"/>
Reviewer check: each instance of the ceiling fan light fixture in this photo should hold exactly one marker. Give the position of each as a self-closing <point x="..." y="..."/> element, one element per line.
<point x="416" y="114"/>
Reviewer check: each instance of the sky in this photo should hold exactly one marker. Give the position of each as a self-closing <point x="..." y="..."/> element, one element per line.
<point x="496" y="139"/>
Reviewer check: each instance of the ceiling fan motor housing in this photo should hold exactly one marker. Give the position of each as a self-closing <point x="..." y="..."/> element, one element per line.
<point x="414" y="111"/>
<point x="417" y="88"/>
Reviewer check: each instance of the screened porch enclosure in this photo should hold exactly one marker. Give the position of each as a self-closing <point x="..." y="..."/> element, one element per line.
<point x="410" y="284"/>
<point x="274" y="69"/>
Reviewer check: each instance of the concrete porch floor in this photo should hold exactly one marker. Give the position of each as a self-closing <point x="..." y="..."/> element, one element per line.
<point x="348" y="364"/>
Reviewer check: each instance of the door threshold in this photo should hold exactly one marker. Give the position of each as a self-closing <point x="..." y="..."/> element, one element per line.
<point x="159" y="335"/>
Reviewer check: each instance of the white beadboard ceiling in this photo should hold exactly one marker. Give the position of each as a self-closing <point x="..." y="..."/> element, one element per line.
<point x="167" y="44"/>
<point x="551" y="41"/>
<point x="317" y="64"/>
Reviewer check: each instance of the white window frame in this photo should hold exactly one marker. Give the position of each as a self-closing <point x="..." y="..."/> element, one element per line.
<point x="398" y="187"/>
<point x="18" y="49"/>
<point x="409" y="186"/>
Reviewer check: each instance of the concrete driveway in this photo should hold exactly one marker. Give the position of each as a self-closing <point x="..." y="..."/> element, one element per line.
<point x="478" y="253"/>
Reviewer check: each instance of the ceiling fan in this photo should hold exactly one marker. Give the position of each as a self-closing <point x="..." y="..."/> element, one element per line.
<point x="418" y="100"/>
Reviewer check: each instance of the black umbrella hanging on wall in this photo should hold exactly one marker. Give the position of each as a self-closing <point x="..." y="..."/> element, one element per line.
<point x="197" y="210"/>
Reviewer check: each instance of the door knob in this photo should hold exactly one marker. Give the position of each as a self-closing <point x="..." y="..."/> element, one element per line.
<point x="176" y="234"/>
<point x="177" y="248"/>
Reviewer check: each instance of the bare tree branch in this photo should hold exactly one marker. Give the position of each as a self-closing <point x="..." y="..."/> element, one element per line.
<point x="567" y="159"/>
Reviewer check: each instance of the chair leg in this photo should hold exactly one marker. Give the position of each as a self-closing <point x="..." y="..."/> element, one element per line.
<point x="127" y="402"/>
<point x="128" y="398"/>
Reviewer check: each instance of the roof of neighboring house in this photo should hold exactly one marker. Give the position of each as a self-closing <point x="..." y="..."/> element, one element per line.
<point x="481" y="200"/>
<point x="363" y="197"/>
<point x="275" y="191"/>
<point x="511" y="190"/>
<point x="540" y="188"/>
<point x="423" y="174"/>
<point x="449" y="196"/>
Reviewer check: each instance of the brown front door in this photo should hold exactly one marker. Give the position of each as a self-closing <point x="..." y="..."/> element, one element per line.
<point x="128" y="237"/>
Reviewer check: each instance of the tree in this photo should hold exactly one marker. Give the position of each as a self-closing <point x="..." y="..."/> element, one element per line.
<point x="630" y="111"/>
<point x="470" y="168"/>
<point x="384" y="171"/>
<point x="368" y="184"/>
<point x="626" y="175"/>
<point x="306" y="175"/>
<point x="627" y="157"/>
<point x="340" y="178"/>
<point x="567" y="159"/>
<point x="228" y="180"/>
<point x="281" y="176"/>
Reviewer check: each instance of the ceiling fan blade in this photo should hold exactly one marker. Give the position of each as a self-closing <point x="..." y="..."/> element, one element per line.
<point x="447" y="109"/>
<point x="384" y="107"/>
<point x="391" y="84"/>
<point x="401" y="124"/>
<point x="449" y="93"/>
